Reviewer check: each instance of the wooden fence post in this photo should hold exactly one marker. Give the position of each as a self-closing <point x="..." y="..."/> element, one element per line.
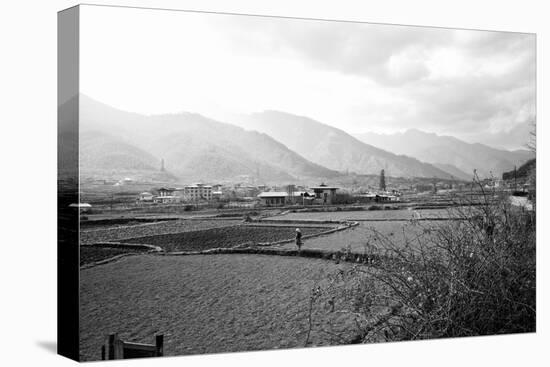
<point x="159" y="343"/>
<point x="111" y="347"/>
<point x="119" y="348"/>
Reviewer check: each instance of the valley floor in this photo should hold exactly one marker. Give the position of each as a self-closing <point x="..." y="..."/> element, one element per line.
<point x="226" y="302"/>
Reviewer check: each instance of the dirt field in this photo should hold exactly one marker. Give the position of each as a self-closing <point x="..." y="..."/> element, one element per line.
<point x="358" y="237"/>
<point x="149" y="229"/>
<point x="90" y="254"/>
<point x="221" y="237"/>
<point x="402" y="214"/>
<point x="118" y="222"/>
<point x="204" y="303"/>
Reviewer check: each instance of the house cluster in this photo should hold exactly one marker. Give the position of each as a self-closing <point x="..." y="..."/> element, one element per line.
<point x="380" y="197"/>
<point x="267" y="196"/>
<point x="322" y="194"/>
<point x="191" y="193"/>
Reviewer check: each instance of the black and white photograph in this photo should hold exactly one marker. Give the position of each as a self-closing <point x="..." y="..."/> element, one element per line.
<point x="282" y="183"/>
<point x="274" y="183"/>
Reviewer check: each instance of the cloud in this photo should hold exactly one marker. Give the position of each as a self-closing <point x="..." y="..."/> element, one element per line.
<point x="443" y="80"/>
<point x="355" y="76"/>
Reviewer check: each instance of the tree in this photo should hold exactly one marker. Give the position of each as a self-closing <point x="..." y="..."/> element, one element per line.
<point x="382" y="181"/>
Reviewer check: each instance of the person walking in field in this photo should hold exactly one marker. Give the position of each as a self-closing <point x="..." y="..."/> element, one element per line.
<point x="299" y="239"/>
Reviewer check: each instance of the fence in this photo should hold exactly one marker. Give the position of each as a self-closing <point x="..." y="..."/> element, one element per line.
<point x="116" y="348"/>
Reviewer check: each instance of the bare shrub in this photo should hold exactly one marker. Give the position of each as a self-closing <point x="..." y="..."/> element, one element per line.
<point x="473" y="275"/>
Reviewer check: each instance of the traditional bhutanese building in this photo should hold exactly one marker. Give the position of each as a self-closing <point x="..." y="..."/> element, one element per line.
<point x="326" y="194"/>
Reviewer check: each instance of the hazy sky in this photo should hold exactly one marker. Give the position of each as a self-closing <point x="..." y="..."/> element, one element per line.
<point x="355" y="76"/>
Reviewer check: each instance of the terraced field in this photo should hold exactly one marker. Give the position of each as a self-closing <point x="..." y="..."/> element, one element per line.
<point x="361" y="237"/>
<point x="401" y="214"/>
<point x="91" y="254"/>
<point x="224" y="303"/>
<point x="150" y="229"/>
<point x="222" y="237"/>
<point x="207" y="303"/>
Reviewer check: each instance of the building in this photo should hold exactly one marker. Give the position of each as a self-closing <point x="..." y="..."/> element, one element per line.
<point x="166" y="196"/>
<point x="198" y="192"/>
<point x="166" y="191"/>
<point x="217" y="187"/>
<point x="273" y="198"/>
<point x="383" y="198"/>
<point x="301" y="198"/>
<point x="125" y="181"/>
<point x="366" y="198"/>
<point x="167" y="199"/>
<point x="326" y="194"/>
<point x="81" y="207"/>
<point x="146" y="196"/>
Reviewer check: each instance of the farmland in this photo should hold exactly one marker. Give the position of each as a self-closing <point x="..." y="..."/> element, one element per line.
<point x="109" y="233"/>
<point x="359" y="238"/>
<point x="197" y="234"/>
<point x="205" y="303"/>
<point x="92" y="254"/>
<point x="221" y="237"/>
<point x="400" y="214"/>
<point x="223" y="302"/>
<point x="398" y="226"/>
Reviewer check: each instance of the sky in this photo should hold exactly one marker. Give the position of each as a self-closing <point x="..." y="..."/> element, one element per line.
<point x="479" y="86"/>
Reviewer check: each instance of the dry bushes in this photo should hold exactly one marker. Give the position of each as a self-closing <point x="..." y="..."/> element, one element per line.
<point x="473" y="276"/>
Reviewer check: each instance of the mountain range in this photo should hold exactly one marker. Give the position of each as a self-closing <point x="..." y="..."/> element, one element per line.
<point x="193" y="147"/>
<point x="446" y="152"/>
<point x="334" y="148"/>
<point x="269" y="147"/>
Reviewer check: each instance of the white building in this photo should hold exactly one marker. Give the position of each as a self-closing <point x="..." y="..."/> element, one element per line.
<point x="166" y="196"/>
<point x="82" y="207"/>
<point x="198" y="192"/>
<point x="325" y="194"/>
<point x="146" y="196"/>
<point x="272" y="198"/>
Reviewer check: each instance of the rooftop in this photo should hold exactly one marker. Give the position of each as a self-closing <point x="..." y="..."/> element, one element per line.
<point x="273" y="194"/>
<point x="80" y="205"/>
<point x="198" y="185"/>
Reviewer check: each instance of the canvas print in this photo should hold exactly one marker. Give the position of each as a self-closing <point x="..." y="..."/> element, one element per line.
<point x="253" y="183"/>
